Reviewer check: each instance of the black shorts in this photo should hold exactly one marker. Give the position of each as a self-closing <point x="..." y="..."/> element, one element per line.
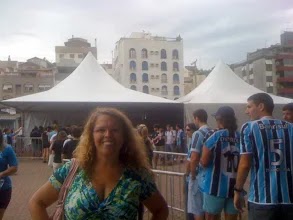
<point x="5" y="197"/>
<point x="270" y="212"/>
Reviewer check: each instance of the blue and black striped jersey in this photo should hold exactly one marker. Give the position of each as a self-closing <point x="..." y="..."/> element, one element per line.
<point x="220" y="175"/>
<point x="270" y="142"/>
<point x="196" y="146"/>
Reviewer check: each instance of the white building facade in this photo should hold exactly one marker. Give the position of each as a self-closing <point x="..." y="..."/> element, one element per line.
<point x="150" y="64"/>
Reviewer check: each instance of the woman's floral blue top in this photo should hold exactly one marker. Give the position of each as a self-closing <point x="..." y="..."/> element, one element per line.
<point x="82" y="201"/>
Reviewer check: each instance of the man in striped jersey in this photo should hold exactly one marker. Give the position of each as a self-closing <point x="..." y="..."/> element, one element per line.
<point x="288" y="112"/>
<point x="267" y="151"/>
<point x="220" y="158"/>
<point x="195" y="187"/>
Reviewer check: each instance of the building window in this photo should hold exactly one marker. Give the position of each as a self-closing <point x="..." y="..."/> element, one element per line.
<point x="7" y="97"/>
<point x="163" y="54"/>
<point x="80" y="56"/>
<point x="145" y="89"/>
<point x="175" y="66"/>
<point x="133" y="87"/>
<point x="71" y="56"/>
<point x="28" y="87"/>
<point x="61" y="56"/>
<point x="269" y="67"/>
<point x="132" y="78"/>
<point x="164" y="90"/>
<point x="269" y="78"/>
<point x="132" y="65"/>
<point x="270" y="89"/>
<point x="175" y="55"/>
<point x="144" y="53"/>
<point x="176" y="78"/>
<point x="145" y="65"/>
<point x="145" y="78"/>
<point x="132" y="53"/>
<point x="44" y="87"/>
<point x="7" y="87"/>
<point x="164" y="78"/>
<point x="164" y="66"/>
<point x="176" y="90"/>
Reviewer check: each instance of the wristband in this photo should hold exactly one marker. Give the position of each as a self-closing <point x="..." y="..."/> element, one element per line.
<point x="238" y="190"/>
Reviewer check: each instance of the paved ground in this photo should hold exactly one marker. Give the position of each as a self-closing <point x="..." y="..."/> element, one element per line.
<point x="30" y="176"/>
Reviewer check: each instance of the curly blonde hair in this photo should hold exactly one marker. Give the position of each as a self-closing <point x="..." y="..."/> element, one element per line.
<point x="131" y="154"/>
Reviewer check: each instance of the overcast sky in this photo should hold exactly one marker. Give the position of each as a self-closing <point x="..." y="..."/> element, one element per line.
<point x="211" y="29"/>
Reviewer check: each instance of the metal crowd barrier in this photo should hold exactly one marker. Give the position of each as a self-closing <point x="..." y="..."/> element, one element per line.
<point x="169" y="161"/>
<point x="172" y="187"/>
<point x="28" y="146"/>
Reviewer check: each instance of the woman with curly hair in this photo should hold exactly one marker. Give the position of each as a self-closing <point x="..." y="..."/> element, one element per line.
<point x="113" y="177"/>
<point x="142" y="130"/>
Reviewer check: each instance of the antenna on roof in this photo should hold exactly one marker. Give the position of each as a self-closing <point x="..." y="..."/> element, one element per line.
<point x="96" y="46"/>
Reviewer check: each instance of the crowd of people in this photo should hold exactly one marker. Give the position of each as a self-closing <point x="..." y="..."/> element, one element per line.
<point x="219" y="160"/>
<point x="55" y="143"/>
<point x="114" y="160"/>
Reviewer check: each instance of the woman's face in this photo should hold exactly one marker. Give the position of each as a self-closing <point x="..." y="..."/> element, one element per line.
<point x="108" y="136"/>
<point x="188" y="131"/>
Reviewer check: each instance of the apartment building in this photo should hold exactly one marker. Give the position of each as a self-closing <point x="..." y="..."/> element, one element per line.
<point x="150" y="64"/>
<point x="69" y="56"/>
<point x="192" y="78"/>
<point x="270" y="69"/>
<point x="23" y="78"/>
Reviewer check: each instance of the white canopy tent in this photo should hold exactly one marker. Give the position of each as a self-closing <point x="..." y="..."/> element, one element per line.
<point x="224" y="87"/>
<point x="87" y="87"/>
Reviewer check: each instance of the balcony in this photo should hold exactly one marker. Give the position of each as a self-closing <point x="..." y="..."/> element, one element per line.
<point x="285" y="91"/>
<point x="285" y="79"/>
<point x="284" y="56"/>
<point x="284" y="68"/>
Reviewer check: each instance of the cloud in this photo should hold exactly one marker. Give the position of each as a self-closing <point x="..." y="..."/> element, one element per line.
<point x="211" y="29"/>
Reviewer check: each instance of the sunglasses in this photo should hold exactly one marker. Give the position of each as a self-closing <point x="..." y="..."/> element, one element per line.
<point x="187" y="129"/>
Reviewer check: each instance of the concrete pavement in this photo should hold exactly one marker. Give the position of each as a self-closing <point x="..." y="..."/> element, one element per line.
<point x="31" y="174"/>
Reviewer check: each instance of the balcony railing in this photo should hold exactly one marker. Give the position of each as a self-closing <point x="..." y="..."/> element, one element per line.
<point x="285" y="79"/>
<point x="285" y="91"/>
<point x="284" y="68"/>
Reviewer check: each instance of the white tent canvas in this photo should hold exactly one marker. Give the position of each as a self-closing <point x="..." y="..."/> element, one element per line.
<point x="88" y="83"/>
<point x="87" y="87"/>
<point x="224" y="87"/>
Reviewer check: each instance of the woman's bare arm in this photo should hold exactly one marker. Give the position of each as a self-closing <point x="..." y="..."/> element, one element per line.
<point x="43" y="198"/>
<point x="157" y="205"/>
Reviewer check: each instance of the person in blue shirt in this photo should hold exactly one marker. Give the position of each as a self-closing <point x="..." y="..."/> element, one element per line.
<point x="267" y="152"/>
<point x="288" y="112"/>
<point x="8" y="166"/>
<point x="195" y="187"/>
<point x="220" y="158"/>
